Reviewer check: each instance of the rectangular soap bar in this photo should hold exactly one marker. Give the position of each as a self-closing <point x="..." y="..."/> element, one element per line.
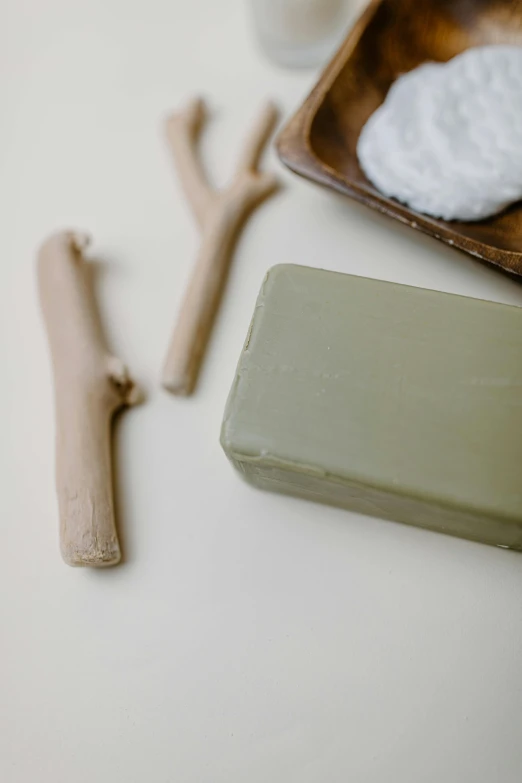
<point x="387" y="400"/>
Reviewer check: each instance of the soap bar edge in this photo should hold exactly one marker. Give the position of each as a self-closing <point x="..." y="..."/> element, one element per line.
<point x="226" y="443"/>
<point x="411" y="511"/>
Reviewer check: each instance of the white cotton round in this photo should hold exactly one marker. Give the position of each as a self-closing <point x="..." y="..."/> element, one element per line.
<point x="447" y="140"/>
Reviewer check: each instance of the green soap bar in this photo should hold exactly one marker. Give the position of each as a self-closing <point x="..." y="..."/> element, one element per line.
<point x="387" y="400"/>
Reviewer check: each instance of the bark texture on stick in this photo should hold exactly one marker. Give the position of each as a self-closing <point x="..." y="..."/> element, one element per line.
<point x="90" y="386"/>
<point x="220" y="215"/>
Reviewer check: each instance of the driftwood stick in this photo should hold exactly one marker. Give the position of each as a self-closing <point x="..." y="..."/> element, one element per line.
<point x="220" y="215"/>
<point x="90" y="386"/>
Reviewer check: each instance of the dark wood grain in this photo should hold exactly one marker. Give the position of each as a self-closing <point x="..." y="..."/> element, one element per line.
<point x="390" y="38"/>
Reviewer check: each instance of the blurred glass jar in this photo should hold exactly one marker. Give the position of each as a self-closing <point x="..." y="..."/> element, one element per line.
<point x="299" y="33"/>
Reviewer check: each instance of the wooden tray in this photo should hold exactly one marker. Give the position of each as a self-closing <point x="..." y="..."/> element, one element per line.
<point x="390" y="38"/>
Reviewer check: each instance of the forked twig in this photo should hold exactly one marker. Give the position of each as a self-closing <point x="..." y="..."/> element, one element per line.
<point x="220" y="215"/>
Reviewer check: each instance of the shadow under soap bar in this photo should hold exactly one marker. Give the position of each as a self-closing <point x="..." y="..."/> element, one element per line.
<point x="387" y="400"/>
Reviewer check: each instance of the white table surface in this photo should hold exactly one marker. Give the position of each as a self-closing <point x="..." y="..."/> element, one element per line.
<point x="246" y="637"/>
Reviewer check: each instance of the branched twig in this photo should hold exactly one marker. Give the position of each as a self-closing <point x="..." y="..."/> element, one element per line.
<point x="220" y="214"/>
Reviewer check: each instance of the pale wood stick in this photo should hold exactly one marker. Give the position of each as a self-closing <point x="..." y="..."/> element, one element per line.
<point x="90" y="386"/>
<point x="220" y="215"/>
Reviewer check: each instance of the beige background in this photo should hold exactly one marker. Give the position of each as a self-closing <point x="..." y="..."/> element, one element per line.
<point x="247" y="637"/>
